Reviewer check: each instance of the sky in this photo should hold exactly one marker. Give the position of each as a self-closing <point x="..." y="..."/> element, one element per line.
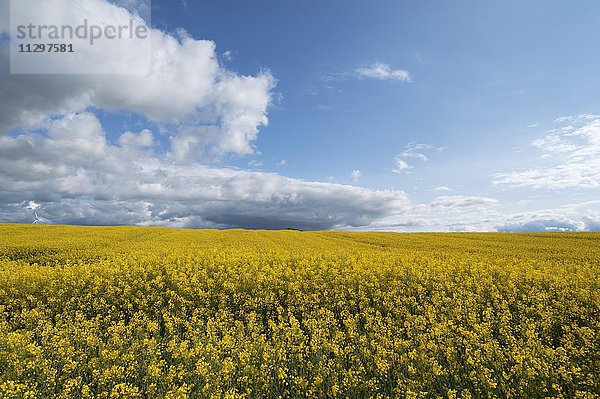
<point x="346" y="115"/>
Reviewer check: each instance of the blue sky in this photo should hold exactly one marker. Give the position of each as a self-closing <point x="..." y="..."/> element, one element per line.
<point x="481" y="72"/>
<point x="455" y="105"/>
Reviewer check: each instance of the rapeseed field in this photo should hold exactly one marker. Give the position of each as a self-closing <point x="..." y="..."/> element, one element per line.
<point x="160" y="313"/>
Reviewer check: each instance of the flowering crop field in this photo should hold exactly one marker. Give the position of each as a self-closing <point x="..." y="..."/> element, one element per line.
<point x="161" y="313"/>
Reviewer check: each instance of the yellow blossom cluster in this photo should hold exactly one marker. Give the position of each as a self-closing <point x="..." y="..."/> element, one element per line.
<point x="160" y="313"/>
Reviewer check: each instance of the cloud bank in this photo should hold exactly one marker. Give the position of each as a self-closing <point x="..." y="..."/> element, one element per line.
<point x="552" y="224"/>
<point x="71" y="174"/>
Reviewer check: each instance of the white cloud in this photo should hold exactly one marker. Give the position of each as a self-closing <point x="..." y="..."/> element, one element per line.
<point x="442" y="189"/>
<point x="592" y="223"/>
<point x="544" y="225"/>
<point x="356" y="175"/>
<point x="228" y="55"/>
<point x="31" y="205"/>
<point x="577" y="118"/>
<point x="461" y="201"/>
<point x="400" y="165"/>
<point x="281" y="163"/>
<point x="414" y="155"/>
<point x="582" y="216"/>
<point x="469" y="213"/>
<point x="571" y="156"/>
<point x="415" y="151"/>
<point x="447" y="213"/>
<point x="381" y="71"/>
<point x="211" y="111"/>
<point x="376" y="71"/>
<point x="142" y="139"/>
<point x="76" y="176"/>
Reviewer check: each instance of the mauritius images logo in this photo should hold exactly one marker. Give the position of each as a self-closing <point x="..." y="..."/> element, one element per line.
<point x="80" y="37"/>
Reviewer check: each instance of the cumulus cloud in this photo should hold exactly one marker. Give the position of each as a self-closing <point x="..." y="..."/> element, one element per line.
<point x="570" y="154"/>
<point x="74" y="175"/>
<point x="211" y="111"/>
<point x="382" y="71"/>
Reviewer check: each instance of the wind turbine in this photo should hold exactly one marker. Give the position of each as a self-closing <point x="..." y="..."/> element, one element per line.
<point x="33" y="206"/>
<point x="40" y="220"/>
<point x="37" y="218"/>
